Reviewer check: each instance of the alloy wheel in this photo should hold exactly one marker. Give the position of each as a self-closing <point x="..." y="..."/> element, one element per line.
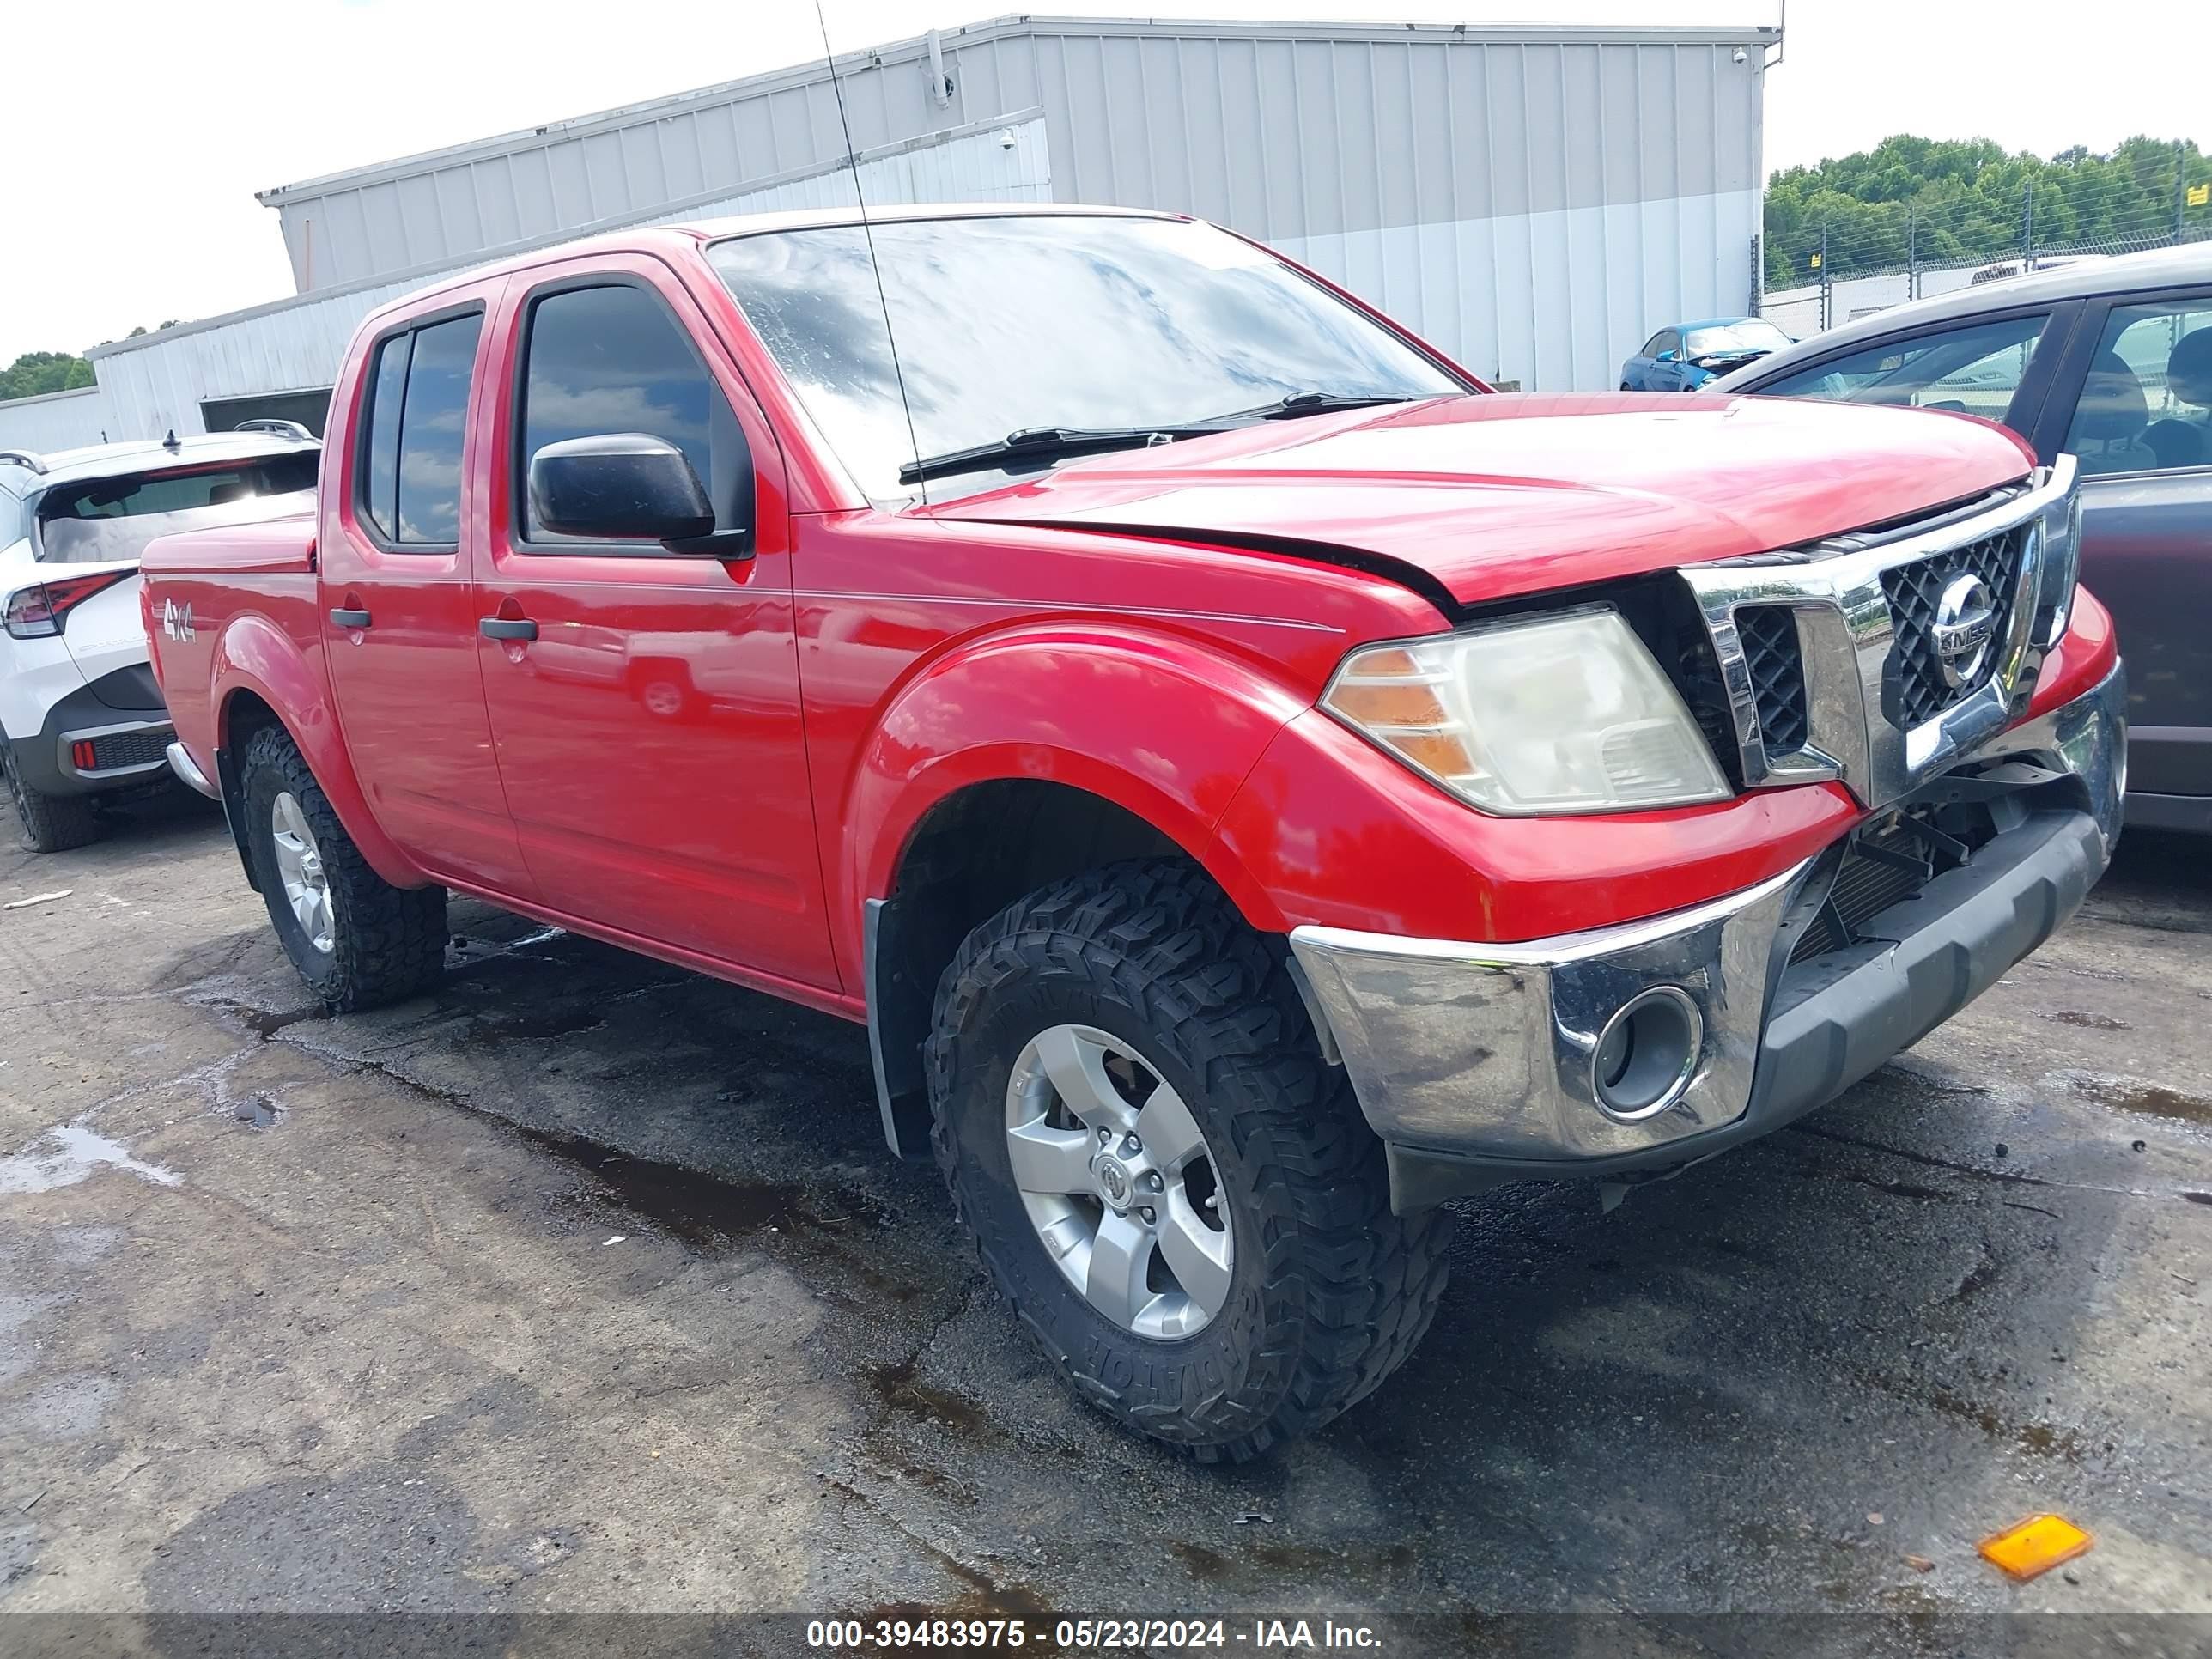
<point x="299" y="867"/>
<point x="1118" y="1181"/>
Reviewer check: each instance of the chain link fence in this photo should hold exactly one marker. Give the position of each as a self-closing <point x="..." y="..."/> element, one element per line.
<point x="1815" y="276"/>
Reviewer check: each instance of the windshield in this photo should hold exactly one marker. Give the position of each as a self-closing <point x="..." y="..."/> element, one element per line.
<point x="1735" y="339"/>
<point x="1004" y="325"/>
<point x="106" y="520"/>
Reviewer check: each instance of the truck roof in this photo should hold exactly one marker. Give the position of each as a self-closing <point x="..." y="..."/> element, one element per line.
<point x="747" y="224"/>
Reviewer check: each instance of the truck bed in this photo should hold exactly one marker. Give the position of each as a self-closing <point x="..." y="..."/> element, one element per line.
<point x="198" y="583"/>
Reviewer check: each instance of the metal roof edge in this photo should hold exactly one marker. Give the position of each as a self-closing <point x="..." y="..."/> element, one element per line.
<point x="814" y="70"/>
<point x="422" y="275"/>
<point x="623" y="115"/>
<point x="91" y="390"/>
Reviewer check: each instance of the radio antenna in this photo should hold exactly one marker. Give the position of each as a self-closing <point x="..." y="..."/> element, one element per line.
<point x="867" y="232"/>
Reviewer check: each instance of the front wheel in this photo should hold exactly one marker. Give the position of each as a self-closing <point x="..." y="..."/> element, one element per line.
<point x="358" y="941"/>
<point x="1177" y="1195"/>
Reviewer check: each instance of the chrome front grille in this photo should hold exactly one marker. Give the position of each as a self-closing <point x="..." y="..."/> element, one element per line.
<point x="1915" y="688"/>
<point x="1771" y="658"/>
<point x="1843" y="659"/>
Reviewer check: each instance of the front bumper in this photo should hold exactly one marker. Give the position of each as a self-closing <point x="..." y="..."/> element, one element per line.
<point x="1479" y="1063"/>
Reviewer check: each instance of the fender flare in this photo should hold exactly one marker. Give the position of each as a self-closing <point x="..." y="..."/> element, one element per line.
<point x="1158" y="724"/>
<point x="255" y="655"/>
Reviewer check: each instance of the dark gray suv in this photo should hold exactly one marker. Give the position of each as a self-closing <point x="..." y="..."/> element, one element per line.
<point x="2111" y="362"/>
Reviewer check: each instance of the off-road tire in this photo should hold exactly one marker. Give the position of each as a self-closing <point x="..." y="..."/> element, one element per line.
<point x="387" y="943"/>
<point x="48" y="823"/>
<point x="1329" y="1292"/>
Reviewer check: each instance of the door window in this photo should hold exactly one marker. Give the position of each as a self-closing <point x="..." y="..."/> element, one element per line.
<point x="1663" y="341"/>
<point x="613" y="359"/>
<point x="1973" y="369"/>
<point x="433" y="420"/>
<point x="2146" y="404"/>
<point x="418" y="415"/>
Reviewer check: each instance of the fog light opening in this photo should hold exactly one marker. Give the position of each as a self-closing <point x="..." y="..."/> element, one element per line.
<point x="1646" y="1054"/>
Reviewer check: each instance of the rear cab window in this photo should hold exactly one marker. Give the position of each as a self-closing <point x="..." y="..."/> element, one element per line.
<point x="108" y="521"/>
<point x="407" y="468"/>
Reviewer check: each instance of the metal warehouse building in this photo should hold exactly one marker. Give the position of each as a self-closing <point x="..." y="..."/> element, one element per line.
<point x="1534" y="200"/>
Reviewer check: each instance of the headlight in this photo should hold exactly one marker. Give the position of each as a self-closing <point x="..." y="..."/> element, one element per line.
<point x="1566" y="713"/>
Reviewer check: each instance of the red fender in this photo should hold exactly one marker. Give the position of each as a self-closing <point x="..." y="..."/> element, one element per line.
<point x="1155" y="723"/>
<point x="254" y="654"/>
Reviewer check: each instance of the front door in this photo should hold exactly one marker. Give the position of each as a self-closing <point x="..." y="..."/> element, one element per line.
<point x="398" y="611"/>
<point x="2137" y="415"/>
<point x="645" y="704"/>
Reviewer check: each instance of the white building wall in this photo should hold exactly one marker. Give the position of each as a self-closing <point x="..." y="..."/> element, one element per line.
<point x="154" y="384"/>
<point x="1536" y="199"/>
<point x="1548" y="300"/>
<point x="1533" y="199"/>
<point x="58" y="420"/>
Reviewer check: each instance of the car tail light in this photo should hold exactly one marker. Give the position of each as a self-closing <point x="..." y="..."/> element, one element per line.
<point x="82" y="755"/>
<point x="41" y="611"/>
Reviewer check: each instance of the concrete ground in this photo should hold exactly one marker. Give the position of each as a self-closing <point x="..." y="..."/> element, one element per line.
<point x="586" y="1285"/>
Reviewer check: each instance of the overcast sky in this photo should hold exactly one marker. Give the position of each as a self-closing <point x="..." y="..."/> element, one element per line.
<point x="136" y="133"/>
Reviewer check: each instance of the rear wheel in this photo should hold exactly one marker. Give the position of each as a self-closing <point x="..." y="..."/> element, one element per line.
<point x="356" y="940"/>
<point x="47" y="823"/>
<point x="1177" y="1193"/>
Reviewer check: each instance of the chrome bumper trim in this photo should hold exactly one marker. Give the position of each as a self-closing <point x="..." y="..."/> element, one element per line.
<point x="1483" y="1050"/>
<point x="1488" y="1047"/>
<point x="181" y="762"/>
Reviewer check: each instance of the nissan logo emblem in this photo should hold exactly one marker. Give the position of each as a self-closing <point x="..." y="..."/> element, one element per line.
<point x="1966" y="618"/>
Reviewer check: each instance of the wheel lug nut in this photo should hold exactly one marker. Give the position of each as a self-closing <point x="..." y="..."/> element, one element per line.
<point x="1150" y="1216"/>
<point x="1154" y="1181"/>
<point x="1105" y="1135"/>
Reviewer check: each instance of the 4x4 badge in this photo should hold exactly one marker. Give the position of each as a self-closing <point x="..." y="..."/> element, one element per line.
<point x="177" y="619"/>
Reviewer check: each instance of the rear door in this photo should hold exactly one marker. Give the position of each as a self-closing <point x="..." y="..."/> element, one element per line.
<point x="646" y="702"/>
<point x="2133" y="404"/>
<point x="399" y="611"/>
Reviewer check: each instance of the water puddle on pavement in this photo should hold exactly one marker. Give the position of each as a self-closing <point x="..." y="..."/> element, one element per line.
<point x="78" y="1152"/>
<point x="2131" y="1095"/>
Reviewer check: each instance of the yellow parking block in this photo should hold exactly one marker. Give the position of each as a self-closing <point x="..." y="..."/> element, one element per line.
<point x="2035" y="1544"/>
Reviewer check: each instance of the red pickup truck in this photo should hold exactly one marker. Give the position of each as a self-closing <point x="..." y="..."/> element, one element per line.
<point x="1253" y="782"/>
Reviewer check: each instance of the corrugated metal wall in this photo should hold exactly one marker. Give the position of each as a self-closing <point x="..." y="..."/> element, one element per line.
<point x="59" y="420"/>
<point x="1535" y="200"/>
<point x="154" y="384"/>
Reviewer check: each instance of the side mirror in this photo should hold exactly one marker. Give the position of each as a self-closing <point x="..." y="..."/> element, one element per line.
<point x="619" y="486"/>
<point x="1670" y="355"/>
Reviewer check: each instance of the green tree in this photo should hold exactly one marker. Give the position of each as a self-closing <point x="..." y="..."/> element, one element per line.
<point x="37" y="372"/>
<point x="1958" y="201"/>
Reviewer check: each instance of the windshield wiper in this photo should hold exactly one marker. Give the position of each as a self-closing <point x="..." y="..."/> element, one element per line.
<point x="1044" y="442"/>
<point x="1301" y="404"/>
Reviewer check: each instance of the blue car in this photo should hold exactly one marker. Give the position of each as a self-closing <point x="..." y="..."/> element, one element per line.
<point x="1683" y="357"/>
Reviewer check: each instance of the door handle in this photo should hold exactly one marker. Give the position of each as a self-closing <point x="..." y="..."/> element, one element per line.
<point x="342" y="618"/>
<point x="505" y="628"/>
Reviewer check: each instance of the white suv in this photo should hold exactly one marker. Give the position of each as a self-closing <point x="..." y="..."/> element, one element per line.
<point x="80" y="716"/>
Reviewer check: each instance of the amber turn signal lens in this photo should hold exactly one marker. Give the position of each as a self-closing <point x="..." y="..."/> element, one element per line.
<point x="1382" y="704"/>
<point x="2035" y="1546"/>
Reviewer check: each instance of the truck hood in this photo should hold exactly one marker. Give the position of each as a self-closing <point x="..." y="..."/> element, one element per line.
<point x="1490" y="497"/>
